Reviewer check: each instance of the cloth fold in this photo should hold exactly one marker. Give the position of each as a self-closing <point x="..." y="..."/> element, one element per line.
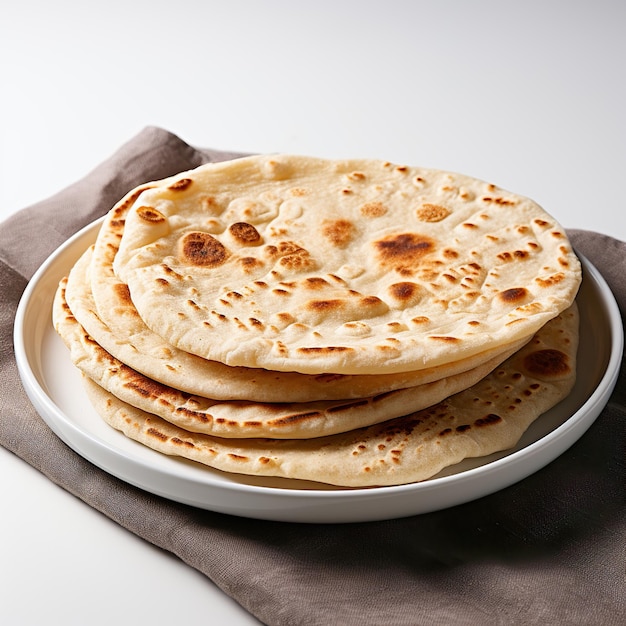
<point x="547" y="550"/>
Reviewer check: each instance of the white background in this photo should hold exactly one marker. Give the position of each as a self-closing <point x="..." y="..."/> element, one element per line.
<point x="529" y="95"/>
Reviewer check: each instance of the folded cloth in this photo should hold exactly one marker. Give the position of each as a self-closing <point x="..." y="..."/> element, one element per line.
<point x="547" y="550"/>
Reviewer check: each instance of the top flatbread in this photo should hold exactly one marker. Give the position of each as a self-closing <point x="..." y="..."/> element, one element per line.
<point x="355" y="267"/>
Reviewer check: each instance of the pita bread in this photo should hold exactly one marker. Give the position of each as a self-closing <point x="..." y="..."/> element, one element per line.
<point x="489" y="417"/>
<point x="353" y="267"/>
<point x="246" y="418"/>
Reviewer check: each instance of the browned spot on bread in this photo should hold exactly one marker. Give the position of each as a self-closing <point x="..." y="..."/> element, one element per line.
<point x="315" y="282"/>
<point x="337" y="279"/>
<point x="255" y="323"/>
<point x="325" y="305"/>
<point x="373" y="209"/>
<point x="555" y="279"/>
<point x="530" y="309"/>
<point x="500" y="201"/>
<point x="237" y="457"/>
<point x="339" y="232"/>
<point x="519" y="320"/>
<point x="291" y="256"/>
<point x="209" y="203"/>
<point x="170" y="271"/>
<point x="315" y="350"/>
<point x="220" y="316"/>
<point x="181" y="184"/>
<point x="513" y="295"/>
<point x="122" y="293"/>
<point x="371" y="301"/>
<point x="286" y="318"/>
<point x="271" y="251"/>
<point x="405" y="292"/>
<point x="432" y="213"/>
<point x="516" y="255"/>
<point x="403" y="250"/>
<point x="249" y="264"/>
<point x="488" y="420"/>
<point x="444" y="338"/>
<point x="281" y="348"/>
<point x="246" y="234"/>
<point x="144" y="386"/>
<point x="547" y="363"/>
<point x="179" y="442"/>
<point x="428" y="274"/>
<point x="196" y="415"/>
<point x="203" y="250"/>
<point x="157" y="433"/>
<point x="150" y="214"/>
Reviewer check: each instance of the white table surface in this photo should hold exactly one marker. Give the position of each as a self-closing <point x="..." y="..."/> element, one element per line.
<point x="529" y="95"/>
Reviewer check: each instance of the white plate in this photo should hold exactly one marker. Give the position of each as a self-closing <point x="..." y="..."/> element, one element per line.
<point x="53" y="385"/>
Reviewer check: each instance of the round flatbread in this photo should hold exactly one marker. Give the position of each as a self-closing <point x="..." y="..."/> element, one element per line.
<point x="244" y="418"/>
<point x="486" y="418"/>
<point x="300" y="264"/>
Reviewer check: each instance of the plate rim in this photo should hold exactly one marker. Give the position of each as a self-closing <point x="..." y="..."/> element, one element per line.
<point x="560" y="438"/>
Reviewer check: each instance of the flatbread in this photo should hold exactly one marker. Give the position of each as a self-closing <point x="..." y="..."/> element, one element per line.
<point x="489" y="417"/>
<point x="113" y="322"/>
<point x="246" y="418"/>
<point x="300" y="264"/>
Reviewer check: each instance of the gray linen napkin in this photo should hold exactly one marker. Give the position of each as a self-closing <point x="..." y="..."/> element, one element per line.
<point x="548" y="550"/>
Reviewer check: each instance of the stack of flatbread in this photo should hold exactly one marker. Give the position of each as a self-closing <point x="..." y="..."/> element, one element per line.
<point x="353" y="322"/>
